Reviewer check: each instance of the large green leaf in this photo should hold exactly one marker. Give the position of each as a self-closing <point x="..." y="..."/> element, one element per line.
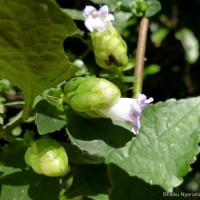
<point x="132" y="188"/>
<point x="74" y="14"/>
<point x="166" y="145"/>
<point x="31" y="39"/>
<point x="96" y="136"/>
<point x="126" y="187"/>
<point x="89" y="180"/>
<point x="78" y="156"/>
<point x="20" y="182"/>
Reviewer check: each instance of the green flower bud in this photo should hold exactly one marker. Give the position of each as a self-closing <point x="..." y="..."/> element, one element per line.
<point x="46" y="156"/>
<point x="90" y="94"/>
<point x="109" y="48"/>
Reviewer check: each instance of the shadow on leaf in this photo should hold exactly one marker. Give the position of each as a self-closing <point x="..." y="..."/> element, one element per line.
<point x="97" y="129"/>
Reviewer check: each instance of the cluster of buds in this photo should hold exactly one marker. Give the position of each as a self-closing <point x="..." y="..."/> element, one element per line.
<point x="98" y="97"/>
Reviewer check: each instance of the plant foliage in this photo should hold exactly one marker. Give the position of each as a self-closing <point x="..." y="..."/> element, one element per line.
<point x="43" y="46"/>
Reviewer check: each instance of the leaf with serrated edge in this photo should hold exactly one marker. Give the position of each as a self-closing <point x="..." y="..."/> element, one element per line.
<point x="166" y="145"/>
<point x="31" y="39"/>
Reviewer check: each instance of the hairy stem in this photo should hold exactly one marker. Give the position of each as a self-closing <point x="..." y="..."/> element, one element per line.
<point x="140" y="56"/>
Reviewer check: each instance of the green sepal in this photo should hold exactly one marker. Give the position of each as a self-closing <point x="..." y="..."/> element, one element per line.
<point x="46" y="156"/>
<point x="90" y="94"/>
<point x="109" y="48"/>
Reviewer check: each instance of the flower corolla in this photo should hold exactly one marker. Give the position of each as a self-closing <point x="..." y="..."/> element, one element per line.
<point x="97" y="20"/>
<point x="128" y="109"/>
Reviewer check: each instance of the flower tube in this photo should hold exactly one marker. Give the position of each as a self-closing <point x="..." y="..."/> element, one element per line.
<point x="128" y="109"/>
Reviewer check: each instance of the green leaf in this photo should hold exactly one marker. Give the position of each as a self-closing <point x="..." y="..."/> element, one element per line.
<point x="127" y="2"/>
<point x="15" y="104"/>
<point x="14" y="120"/>
<point x="166" y="145"/>
<point x="140" y="7"/>
<point x="89" y="180"/>
<point x="78" y="156"/>
<point x="128" y="79"/>
<point x="96" y="136"/>
<point x="54" y="96"/>
<point x="127" y="187"/>
<point x="151" y="69"/>
<point x="48" y="118"/>
<point x="32" y="55"/>
<point x="153" y="8"/>
<point x="26" y="185"/>
<point x="112" y="4"/>
<point x="158" y="34"/>
<point x="74" y="14"/>
<point x="99" y="197"/>
<point x="100" y="1"/>
<point x="190" y="44"/>
<point x="19" y="182"/>
<point x="121" y="20"/>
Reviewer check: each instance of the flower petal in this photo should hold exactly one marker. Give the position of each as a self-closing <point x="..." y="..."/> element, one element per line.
<point x="127" y="109"/>
<point x="103" y="10"/>
<point x="97" y="20"/>
<point x="89" y="10"/>
<point x="93" y="24"/>
<point x="136" y="125"/>
<point x="143" y="101"/>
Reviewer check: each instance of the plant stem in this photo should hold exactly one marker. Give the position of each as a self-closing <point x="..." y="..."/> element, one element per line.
<point x="140" y="56"/>
<point x="7" y="137"/>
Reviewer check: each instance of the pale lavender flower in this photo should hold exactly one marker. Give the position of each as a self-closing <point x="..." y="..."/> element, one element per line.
<point x="97" y="20"/>
<point x="128" y="109"/>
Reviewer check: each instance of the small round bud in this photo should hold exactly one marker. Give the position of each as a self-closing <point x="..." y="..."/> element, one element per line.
<point x="46" y="156"/>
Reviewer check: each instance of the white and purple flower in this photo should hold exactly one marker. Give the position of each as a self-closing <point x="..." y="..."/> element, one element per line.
<point x="97" y="20"/>
<point x="128" y="109"/>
